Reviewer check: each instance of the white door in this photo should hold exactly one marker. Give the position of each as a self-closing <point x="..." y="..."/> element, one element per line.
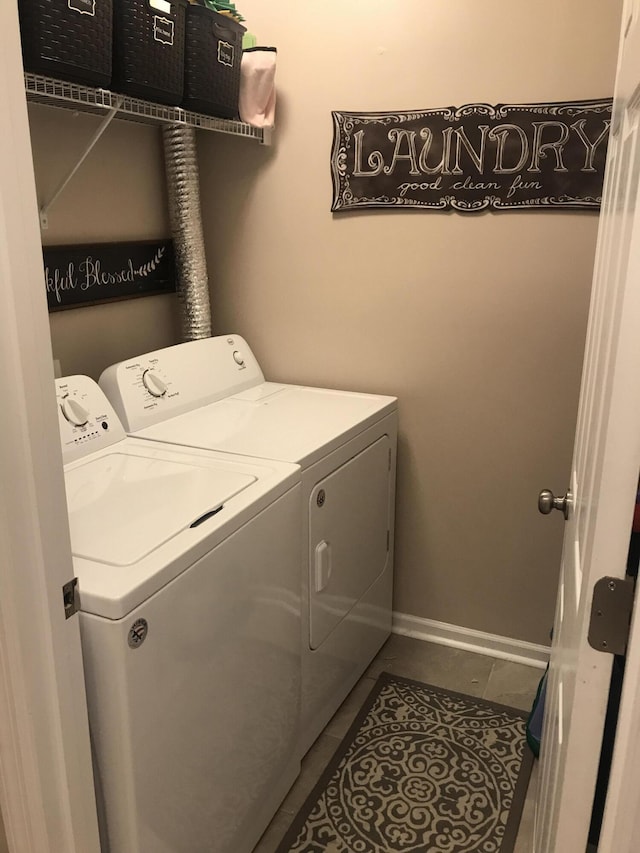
<point x="603" y="484"/>
<point x="46" y="784"/>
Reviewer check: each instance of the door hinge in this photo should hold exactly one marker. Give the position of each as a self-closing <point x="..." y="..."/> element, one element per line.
<point x="611" y="610"/>
<point x="70" y="597"/>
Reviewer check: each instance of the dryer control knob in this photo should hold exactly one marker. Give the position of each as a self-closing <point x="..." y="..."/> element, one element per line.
<point x="237" y="357"/>
<point x="154" y="385"/>
<point x="74" y="412"/>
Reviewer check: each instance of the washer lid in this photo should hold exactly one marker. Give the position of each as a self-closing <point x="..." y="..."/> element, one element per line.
<point x="123" y="505"/>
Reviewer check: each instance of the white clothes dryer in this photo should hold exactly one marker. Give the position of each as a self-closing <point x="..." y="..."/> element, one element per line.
<point x="188" y="565"/>
<point x="211" y="393"/>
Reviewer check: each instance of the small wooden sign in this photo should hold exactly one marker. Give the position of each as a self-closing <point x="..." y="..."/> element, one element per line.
<point x="472" y="158"/>
<point x="102" y="272"/>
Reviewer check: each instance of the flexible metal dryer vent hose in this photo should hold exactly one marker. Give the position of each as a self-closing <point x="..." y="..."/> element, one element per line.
<point x="185" y="214"/>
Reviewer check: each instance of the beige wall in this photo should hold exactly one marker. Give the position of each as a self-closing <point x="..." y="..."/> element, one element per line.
<point x="476" y="323"/>
<point x="118" y="194"/>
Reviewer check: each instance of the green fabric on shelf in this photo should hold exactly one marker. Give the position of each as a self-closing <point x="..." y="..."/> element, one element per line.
<point x="224" y="6"/>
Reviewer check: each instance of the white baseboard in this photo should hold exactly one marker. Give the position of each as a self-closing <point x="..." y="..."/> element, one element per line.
<point x="493" y="645"/>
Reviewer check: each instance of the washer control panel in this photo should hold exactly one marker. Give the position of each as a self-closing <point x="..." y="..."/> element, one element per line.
<point x="163" y="384"/>
<point x="86" y="419"/>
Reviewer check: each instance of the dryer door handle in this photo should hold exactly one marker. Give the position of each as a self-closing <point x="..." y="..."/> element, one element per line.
<point x="322" y="565"/>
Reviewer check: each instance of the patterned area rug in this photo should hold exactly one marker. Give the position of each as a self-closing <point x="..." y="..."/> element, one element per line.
<point x="420" y="770"/>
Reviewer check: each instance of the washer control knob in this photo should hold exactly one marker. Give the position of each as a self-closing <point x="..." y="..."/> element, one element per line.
<point x="75" y="413"/>
<point x="237" y="357"/>
<point x="154" y="385"/>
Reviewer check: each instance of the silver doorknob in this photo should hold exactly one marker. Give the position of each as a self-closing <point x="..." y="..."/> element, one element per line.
<point x="548" y="501"/>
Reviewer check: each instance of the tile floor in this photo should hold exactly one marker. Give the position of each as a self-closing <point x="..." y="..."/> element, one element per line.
<point x="477" y="675"/>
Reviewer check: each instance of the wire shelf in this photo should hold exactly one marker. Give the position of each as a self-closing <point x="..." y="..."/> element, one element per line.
<point x="61" y="93"/>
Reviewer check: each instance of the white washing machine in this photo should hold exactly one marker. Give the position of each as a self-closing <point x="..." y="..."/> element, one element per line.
<point x="188" y="567"/>
<point x="211" y="393"/>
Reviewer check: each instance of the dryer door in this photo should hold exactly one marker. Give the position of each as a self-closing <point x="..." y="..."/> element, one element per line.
<point x="348" y="536"/>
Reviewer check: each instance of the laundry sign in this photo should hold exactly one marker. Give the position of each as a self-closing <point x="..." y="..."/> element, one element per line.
<point x="99" y="272"/>
<point x="472" y="158"/>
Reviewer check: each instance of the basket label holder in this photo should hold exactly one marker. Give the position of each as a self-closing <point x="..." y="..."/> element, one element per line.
<point x="225" y="53"/>
<point x="84" y="7"/>
<point x="163" y="29"/>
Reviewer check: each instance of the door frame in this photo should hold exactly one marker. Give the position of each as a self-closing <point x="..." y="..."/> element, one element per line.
<point x="621" y="820"/>
<point x="46" y="781"/>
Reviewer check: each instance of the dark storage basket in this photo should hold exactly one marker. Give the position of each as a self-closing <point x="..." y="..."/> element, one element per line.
<point x="68" y="39"/>
<point x="213" y="53"/>
<point x="148" y="50"/>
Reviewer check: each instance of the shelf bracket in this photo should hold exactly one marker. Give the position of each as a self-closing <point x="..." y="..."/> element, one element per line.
<point x="104" y="124"/>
